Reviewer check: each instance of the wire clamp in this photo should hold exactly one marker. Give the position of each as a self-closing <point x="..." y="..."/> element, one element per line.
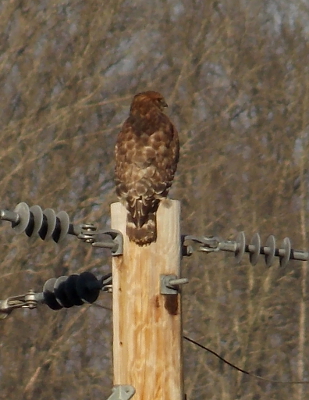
<point x="114" y="242"/>
<point x="28" y="300"/>
<point x="207" y="244"/>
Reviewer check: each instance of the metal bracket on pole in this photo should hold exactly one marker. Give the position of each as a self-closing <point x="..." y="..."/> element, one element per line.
<point x="207" y="244"/>
<point x="169" y="284"/>
<point x="89" y="234"/>
<point x="122" y="392"/>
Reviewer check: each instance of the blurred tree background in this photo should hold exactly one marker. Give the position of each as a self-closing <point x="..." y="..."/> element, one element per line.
<point x="235" y="75"/>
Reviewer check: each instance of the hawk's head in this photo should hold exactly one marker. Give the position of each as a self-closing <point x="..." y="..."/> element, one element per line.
<point x="145" y="101"/>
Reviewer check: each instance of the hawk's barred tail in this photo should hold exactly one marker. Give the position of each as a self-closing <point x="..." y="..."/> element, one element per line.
<point x="145" y="234"/>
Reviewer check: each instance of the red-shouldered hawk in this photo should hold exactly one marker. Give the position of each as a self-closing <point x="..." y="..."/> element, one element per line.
<point x="147" y="152"/>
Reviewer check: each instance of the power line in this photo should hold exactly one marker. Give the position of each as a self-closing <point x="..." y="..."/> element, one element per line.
<point x="240" y="369"/>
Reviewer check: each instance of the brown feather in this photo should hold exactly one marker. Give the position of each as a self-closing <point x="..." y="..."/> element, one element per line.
<point x="147" y="152"/>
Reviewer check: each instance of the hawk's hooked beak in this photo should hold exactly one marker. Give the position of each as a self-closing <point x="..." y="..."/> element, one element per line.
<point x="164" y="104"/>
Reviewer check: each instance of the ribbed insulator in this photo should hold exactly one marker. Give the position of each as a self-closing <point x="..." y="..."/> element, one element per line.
<point x="47" y="224"/>
<point x="285" y="253"/>
<point x="73" y="290"/>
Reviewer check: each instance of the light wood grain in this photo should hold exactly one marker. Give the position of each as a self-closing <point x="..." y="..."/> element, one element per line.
<point x="147" y="337"/>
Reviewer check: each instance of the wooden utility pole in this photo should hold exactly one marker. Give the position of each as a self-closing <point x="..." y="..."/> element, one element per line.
<point x="147" y="331"/>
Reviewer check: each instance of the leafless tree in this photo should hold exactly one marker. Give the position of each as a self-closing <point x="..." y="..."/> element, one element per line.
<point x="236" y="78"/>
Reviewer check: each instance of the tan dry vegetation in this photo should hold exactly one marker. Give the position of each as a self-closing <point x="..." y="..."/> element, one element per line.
<point x="236" y="78"/>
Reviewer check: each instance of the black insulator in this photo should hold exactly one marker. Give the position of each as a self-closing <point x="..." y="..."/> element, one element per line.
<point x="57" y="231"/>
<point x="64" y="224"/>
<point x="61" y="292"/>
<point x="35" y="221"/>
<point x="49" y="295"/>
<point x="46" y="224"/>
<point x="50" y="218"/>
<point x="30" y="226"/>
<point x="88" y="287"/>
<point x="43" y="230"/>
<point x="71" y="291"/>
<point x="36" y="214"/>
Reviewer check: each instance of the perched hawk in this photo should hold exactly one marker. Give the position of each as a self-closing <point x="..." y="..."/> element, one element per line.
<point x="147" y="152"/>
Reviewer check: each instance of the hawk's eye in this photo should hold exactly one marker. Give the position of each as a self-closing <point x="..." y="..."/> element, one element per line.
<point x="163" y="103"/>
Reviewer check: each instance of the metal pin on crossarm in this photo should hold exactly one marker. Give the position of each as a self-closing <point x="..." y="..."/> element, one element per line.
<point x="10" y="216"/>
